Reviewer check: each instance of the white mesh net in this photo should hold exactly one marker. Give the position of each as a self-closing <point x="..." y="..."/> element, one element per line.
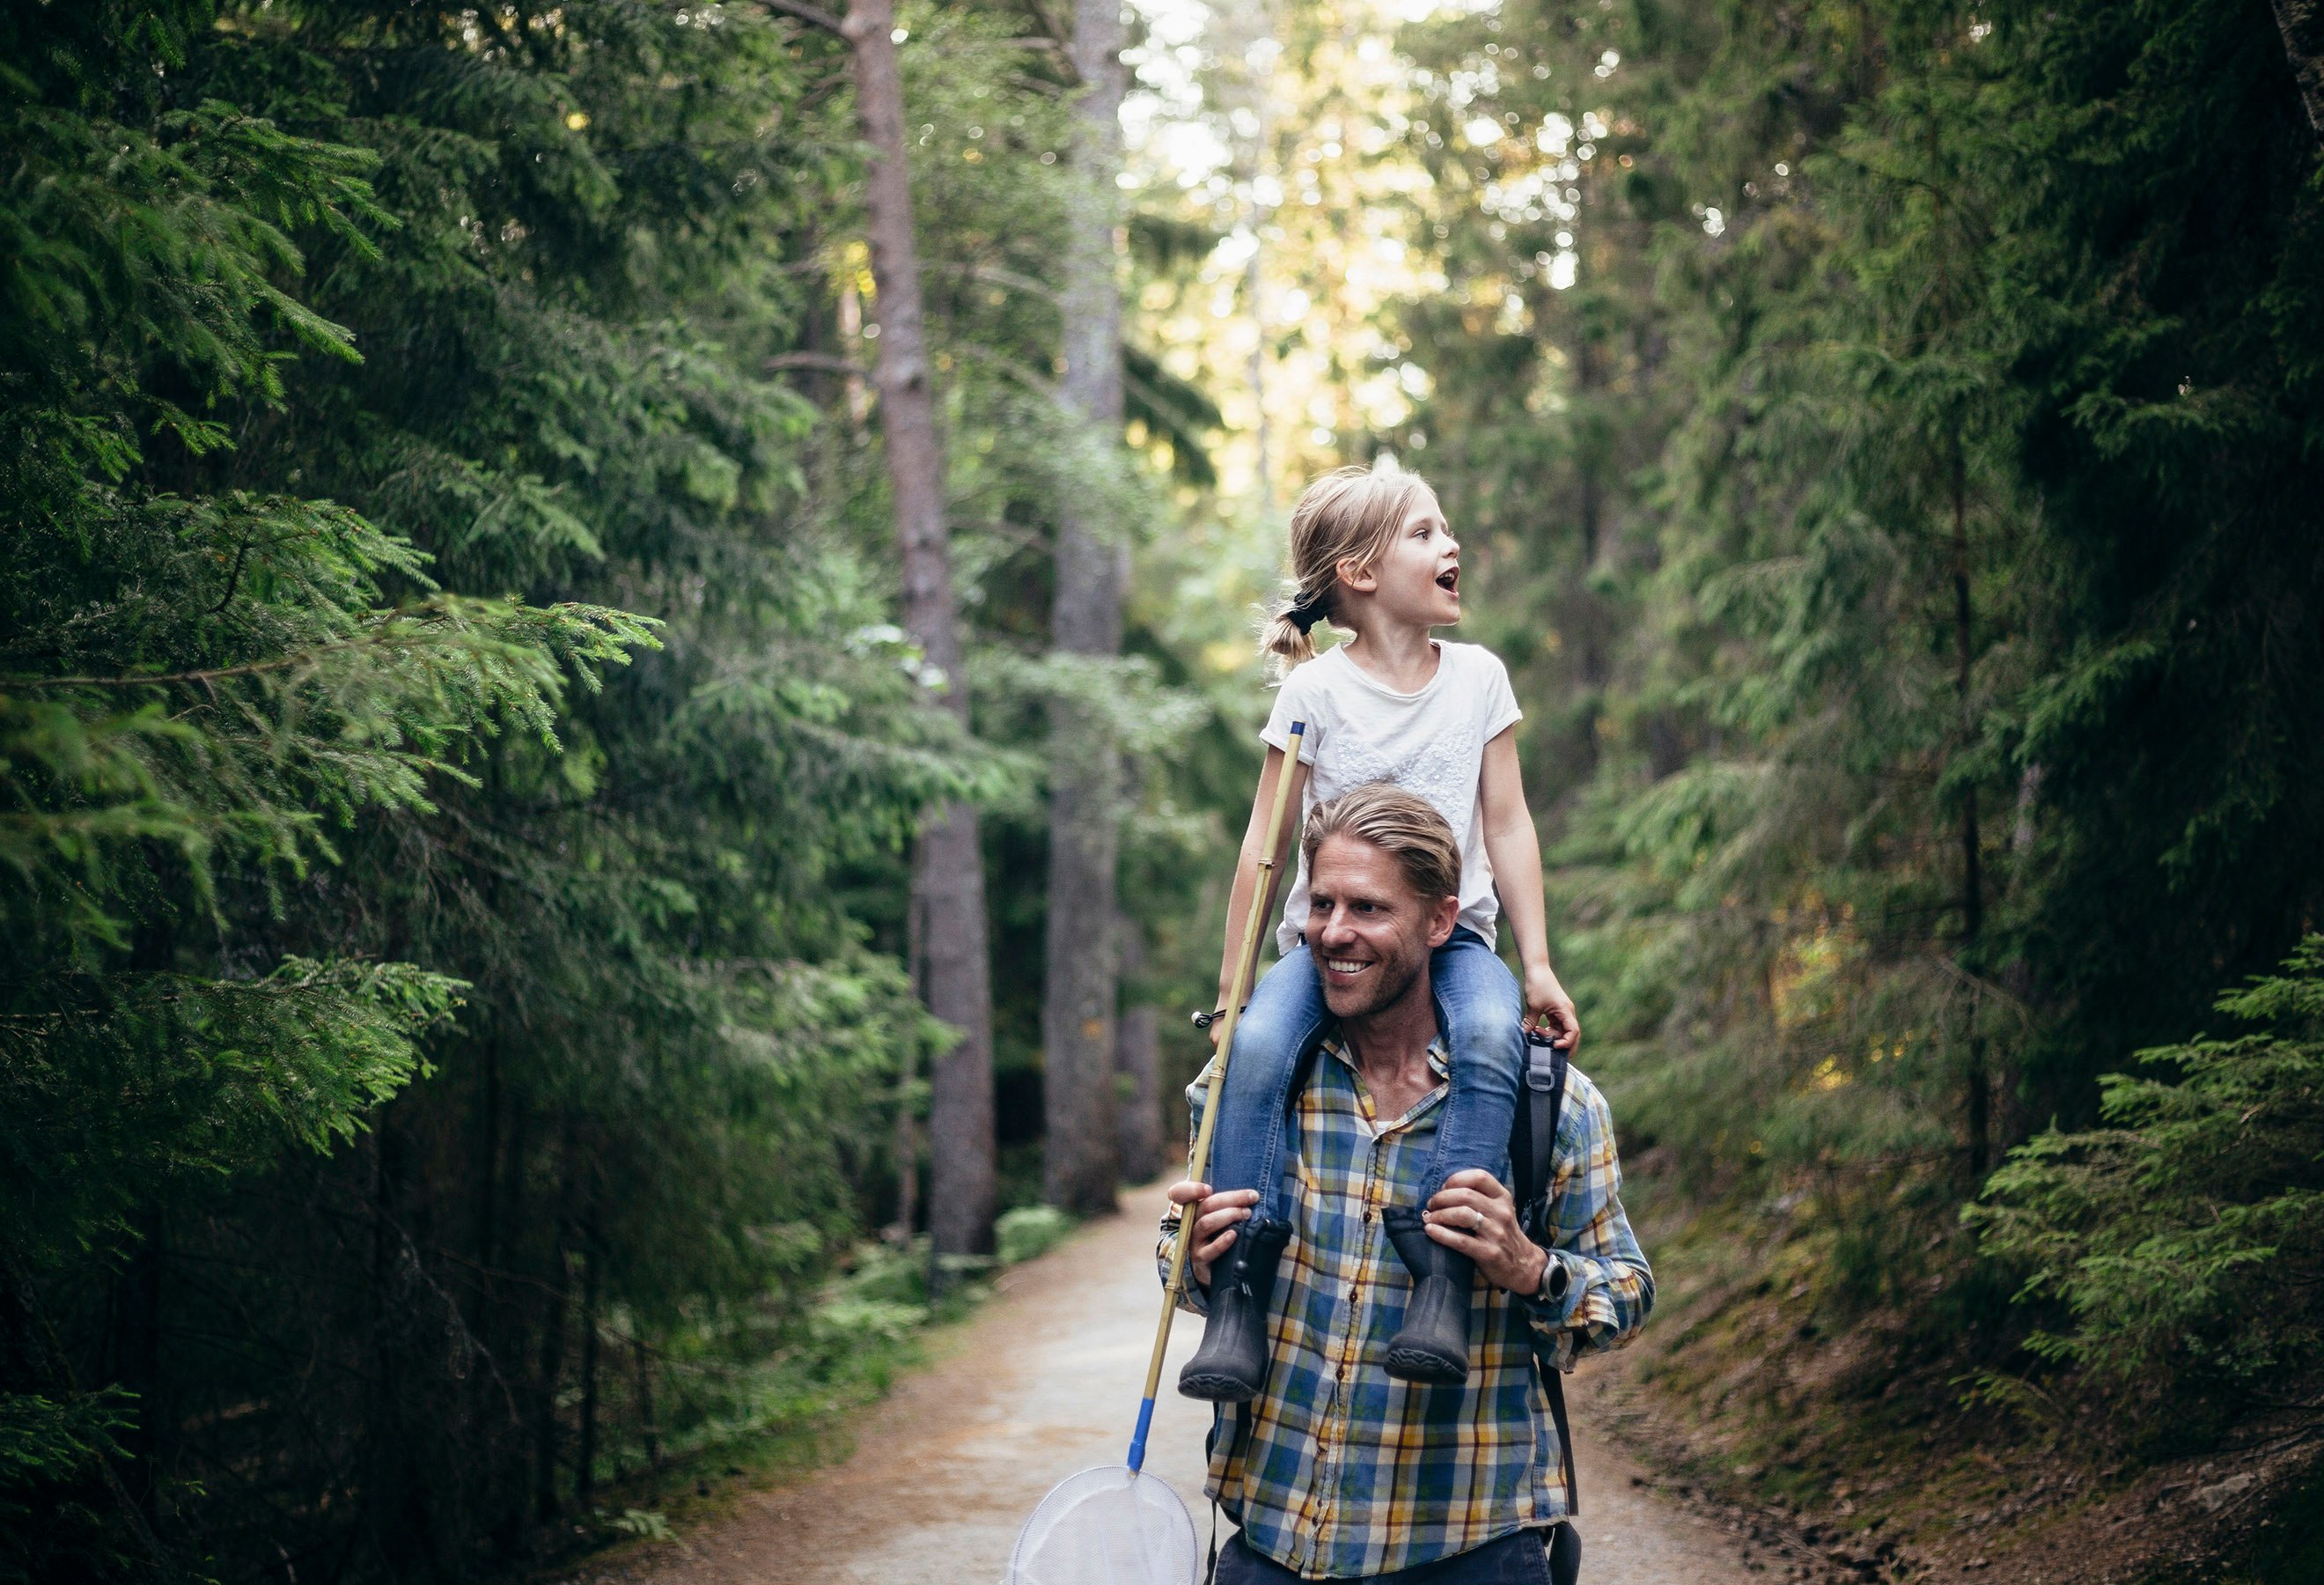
<point x="1107" y="1527"/>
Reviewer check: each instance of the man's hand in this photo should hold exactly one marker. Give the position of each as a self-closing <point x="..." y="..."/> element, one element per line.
<point x="1474" y="1215"/>
<point x="1214" y="1219"/>
<point x="1550" y="1010"/>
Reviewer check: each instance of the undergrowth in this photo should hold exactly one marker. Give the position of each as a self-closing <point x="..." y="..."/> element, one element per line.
<point x="793" y="1411"/>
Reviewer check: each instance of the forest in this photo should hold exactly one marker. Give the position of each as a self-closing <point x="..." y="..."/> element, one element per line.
<point x="627" y="689"/>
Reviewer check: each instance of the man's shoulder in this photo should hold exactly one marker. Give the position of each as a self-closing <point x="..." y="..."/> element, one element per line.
<point x="1586" y="1111"/>
<point x="1579" y="1087"/>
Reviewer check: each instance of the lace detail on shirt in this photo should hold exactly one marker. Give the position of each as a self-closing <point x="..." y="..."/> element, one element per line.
<point x="1443" y="772"/>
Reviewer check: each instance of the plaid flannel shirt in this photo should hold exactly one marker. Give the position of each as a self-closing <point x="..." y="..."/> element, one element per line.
<point x="1338" y="1472"/>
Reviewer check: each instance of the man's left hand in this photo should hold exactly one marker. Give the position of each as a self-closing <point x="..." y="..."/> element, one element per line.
<point x="1476" y="1216"/>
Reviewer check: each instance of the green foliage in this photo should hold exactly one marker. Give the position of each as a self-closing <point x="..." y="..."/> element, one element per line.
<point x="2185" y="1237"/>
<point x="1030" y="1230"/>
<point x="380" y="998"/>
<point x="1880" y="434"/>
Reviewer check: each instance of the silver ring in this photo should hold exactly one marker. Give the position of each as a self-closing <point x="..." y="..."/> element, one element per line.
<point x="1476" y="1220"/>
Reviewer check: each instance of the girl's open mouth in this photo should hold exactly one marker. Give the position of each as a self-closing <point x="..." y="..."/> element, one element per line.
<point x="1449" y="580"/>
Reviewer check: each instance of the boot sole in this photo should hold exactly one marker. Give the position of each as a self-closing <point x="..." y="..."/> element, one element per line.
<point x="1216" y="1389"/>
<point x="1427" y="1369"/>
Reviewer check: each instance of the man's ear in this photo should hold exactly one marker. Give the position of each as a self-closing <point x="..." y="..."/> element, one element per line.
<point x="1442" y="922"/>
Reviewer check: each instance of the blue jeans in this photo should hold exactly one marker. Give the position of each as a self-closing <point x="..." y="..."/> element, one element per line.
<point x="1482" y="1014"/>
<point x="1513" y="1560"/>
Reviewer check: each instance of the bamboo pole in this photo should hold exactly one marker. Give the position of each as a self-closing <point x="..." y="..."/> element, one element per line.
<point x="1262" y="909"/>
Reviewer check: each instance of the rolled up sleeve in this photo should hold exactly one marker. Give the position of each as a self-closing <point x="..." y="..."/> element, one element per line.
<point x="1598" y="1288"/>
<point x="1193" y="1300"/>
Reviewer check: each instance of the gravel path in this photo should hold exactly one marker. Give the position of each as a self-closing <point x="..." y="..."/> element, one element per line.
<point x="950" y="1463"/>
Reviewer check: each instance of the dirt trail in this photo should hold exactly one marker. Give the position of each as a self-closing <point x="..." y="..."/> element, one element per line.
<point x="1042" y="1382"/>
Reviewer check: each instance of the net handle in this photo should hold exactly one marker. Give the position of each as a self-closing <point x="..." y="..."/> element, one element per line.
<point x="1262" y="908"/>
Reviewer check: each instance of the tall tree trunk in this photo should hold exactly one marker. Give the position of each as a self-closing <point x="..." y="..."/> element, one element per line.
<point x="2302" y="26"/>
<point x="1081" y="1164"/>
<point x="137" y="1300"/>
<point x="1978" y="1101"/>
<point x="1588" y="611"/>
<point x="137" y="1295"/>
<point x="488" y="1153"/>
<point x="584" y="1460"/>
<point x="649" y="1428"/>
<point x="948" y="862"/>
<point x="546" y="1430"/>
<point x="1138" y="1065"/>
<point x="908" y="1113"/>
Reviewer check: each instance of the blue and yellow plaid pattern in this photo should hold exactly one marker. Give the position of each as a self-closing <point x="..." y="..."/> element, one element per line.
<point x="1339" y="1471"/>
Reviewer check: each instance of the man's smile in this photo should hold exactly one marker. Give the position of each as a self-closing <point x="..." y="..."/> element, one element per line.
<point x="1346" y="966"/>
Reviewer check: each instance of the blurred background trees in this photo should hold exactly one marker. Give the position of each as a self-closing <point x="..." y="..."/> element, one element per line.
<point x="467" y="732"/>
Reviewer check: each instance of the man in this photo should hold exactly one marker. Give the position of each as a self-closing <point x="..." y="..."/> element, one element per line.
<point x="1337" y="1471"/>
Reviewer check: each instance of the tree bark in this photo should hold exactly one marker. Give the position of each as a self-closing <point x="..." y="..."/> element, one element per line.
<point x="908" y="1116"/>
<point x="1081" y="1161"/>
<point x="547" y="1432"/>
<point x="585" y="1459"/>
<point x="649" y="1428"/>
<point x="1978" y="1100"/>
<point x="947" y="870"/>
<point x="2301" y="23"/>
<point x="1138" y="1066"/>
<point x="138" y="1301"/>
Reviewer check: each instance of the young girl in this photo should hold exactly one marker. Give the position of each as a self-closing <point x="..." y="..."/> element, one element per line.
<point x="1371" y="553"/>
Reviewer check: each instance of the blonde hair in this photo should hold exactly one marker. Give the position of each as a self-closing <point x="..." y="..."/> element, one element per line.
<point x="1349" y="514"/>
<point x="1404" y="825"/>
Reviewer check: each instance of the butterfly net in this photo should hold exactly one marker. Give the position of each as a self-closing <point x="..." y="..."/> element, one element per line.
<point x="1107" y="1527"/>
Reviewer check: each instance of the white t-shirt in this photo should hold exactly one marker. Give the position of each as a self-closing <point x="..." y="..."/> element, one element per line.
<point x="1432" y="743"/>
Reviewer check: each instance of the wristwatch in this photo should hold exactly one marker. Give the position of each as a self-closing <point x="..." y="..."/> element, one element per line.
<point x="1556" y="1280"/>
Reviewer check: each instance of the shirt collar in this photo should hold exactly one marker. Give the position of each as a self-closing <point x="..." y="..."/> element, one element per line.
<point x="1440" y="1061"/>
<point x="1439" y="1064"/>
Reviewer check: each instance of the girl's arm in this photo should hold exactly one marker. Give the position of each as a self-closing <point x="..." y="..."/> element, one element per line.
<point x="1245" y="895"/>
<point x="1515" y="849"/>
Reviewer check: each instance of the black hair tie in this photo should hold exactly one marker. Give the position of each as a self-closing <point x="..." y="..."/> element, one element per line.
<point x="1308" y="609"/>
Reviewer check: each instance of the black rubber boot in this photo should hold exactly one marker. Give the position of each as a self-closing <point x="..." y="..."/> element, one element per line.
<point x="1231" y="1366"/>
<point x="1433" y="1346"/>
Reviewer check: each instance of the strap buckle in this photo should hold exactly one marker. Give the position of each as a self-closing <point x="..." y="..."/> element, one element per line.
<point x="1541" y="1064"/>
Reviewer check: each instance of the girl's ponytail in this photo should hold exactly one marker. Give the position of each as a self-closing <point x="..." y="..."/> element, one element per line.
<point x="1285" y="642"/>
<point x="1349" y="514"/>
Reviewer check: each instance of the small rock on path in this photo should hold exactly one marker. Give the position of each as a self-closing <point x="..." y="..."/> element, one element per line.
<point x="1045" y="1381"/>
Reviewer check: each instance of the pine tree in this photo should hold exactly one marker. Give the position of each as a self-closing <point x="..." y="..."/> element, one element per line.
<point x="1082" y="1155"/>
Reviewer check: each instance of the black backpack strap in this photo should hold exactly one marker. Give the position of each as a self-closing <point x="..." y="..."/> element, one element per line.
<point x="1534" y="1152"/>
<point x="1533" y="1156"/>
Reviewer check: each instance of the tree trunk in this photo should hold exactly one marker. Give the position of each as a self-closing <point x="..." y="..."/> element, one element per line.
<point x="907" y="1114"/>
<point x="1978" y="1101"/>
<point x="2302" y="25"/>
<point x="547" y="1432"/>
<point x="948" y="863"/>
<point x="137" y="1297"/>
<point x="1081" y="1166"/>
<point x="488" y="1155"/>
<point x="1585" y="610"/>
<point x="649" y="1428"/>
<point x="138" y="1301"/>
<point x="545" y="1428"/>
<point x="1138" y="1066"/>
<point x="585" y="1459"/>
